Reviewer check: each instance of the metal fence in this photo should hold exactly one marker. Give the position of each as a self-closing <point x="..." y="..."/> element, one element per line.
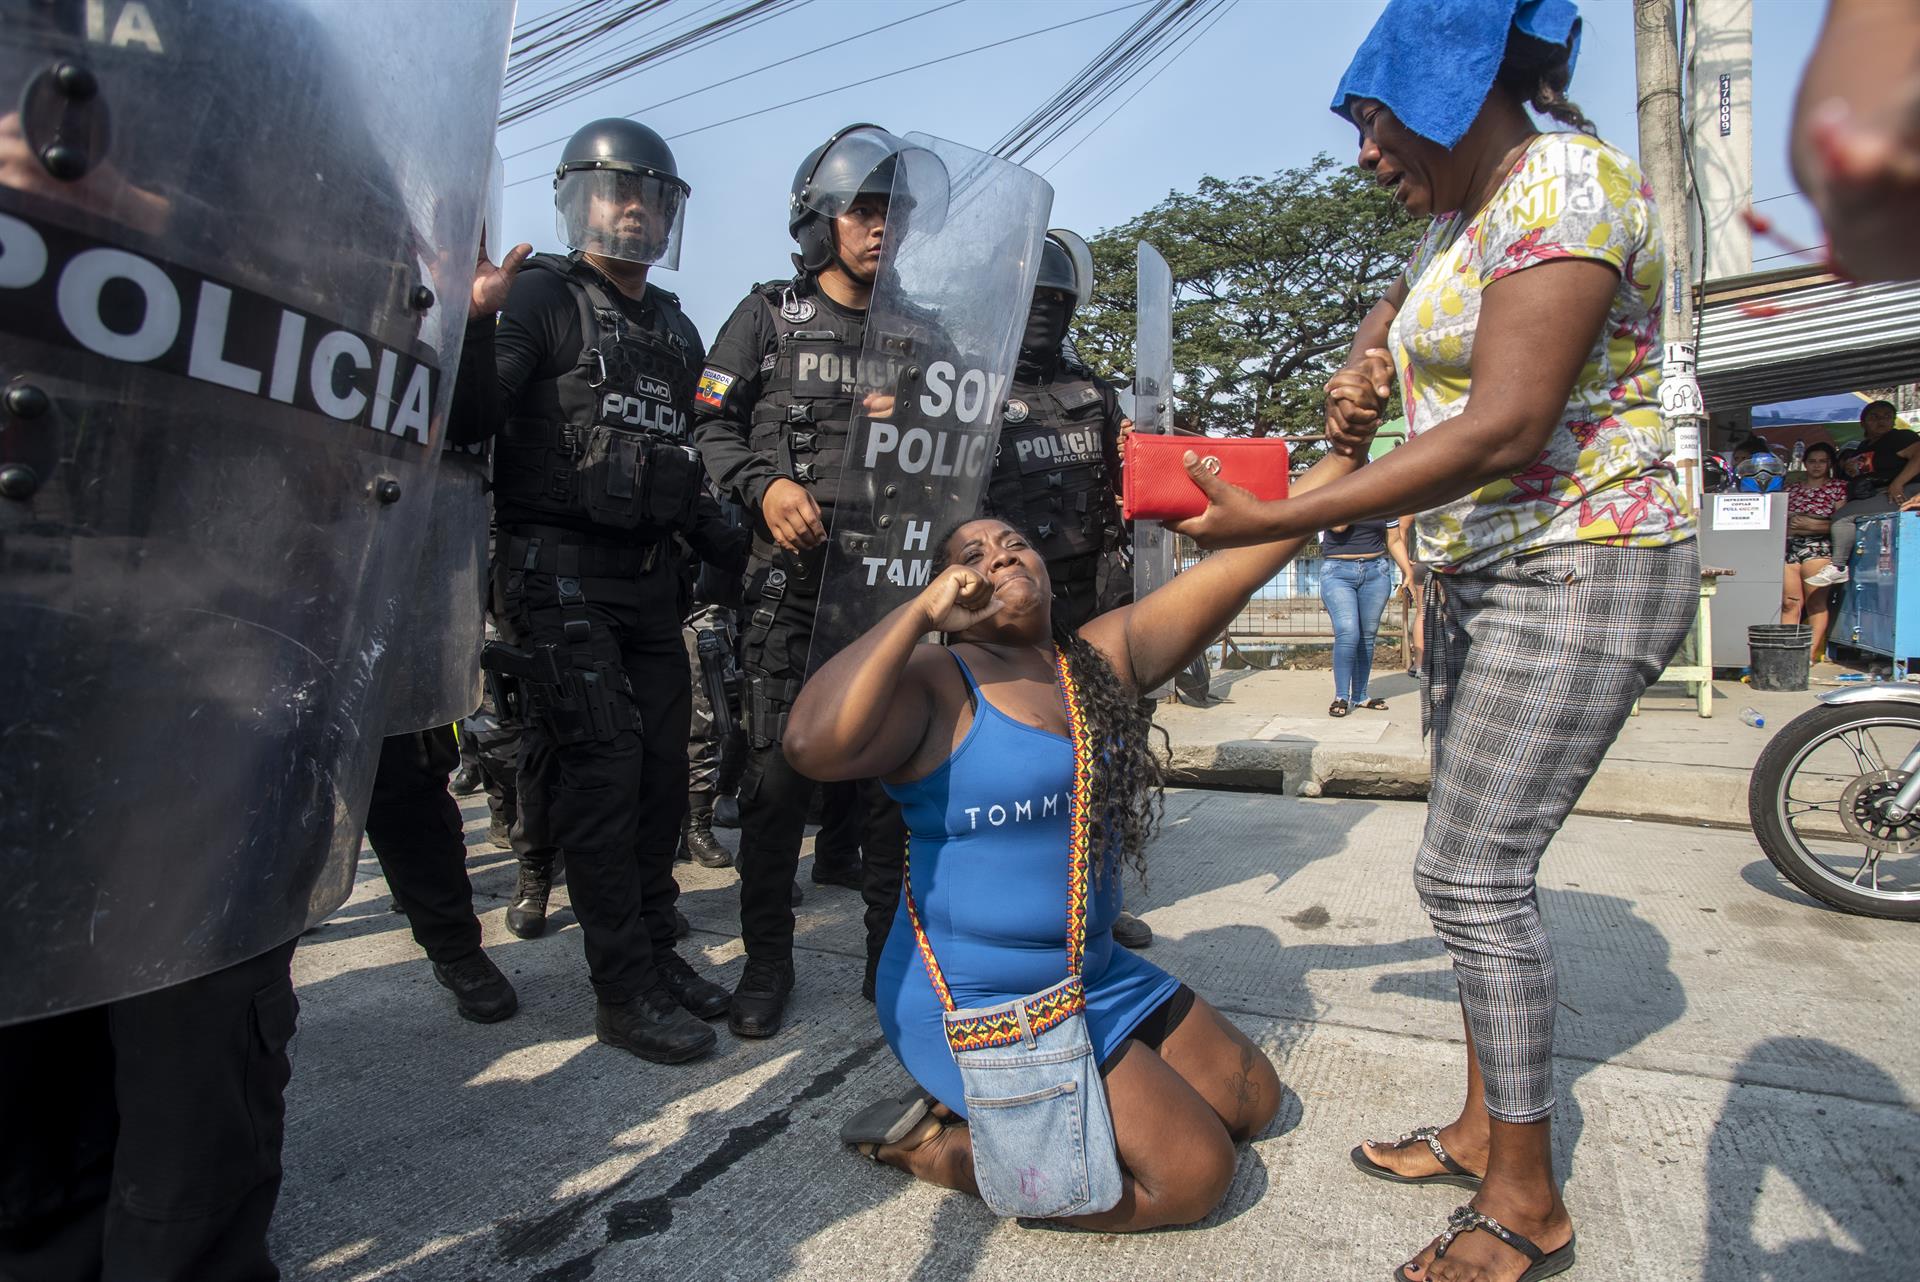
<point x="1287" y="610"/>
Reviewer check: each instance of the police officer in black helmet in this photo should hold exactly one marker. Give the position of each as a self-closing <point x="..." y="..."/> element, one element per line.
<point x="775" y="407"/>
<point x="593" y="478"/>
<point x="1056" y="471"/>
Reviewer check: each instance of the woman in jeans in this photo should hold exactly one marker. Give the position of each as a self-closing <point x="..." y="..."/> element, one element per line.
<point x="1356" y="578"/>
<point x="970" y="736"/>
<point x="1525" y="334"/>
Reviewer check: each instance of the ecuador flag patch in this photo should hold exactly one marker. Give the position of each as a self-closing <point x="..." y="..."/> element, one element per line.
<point x="711" y="394"/>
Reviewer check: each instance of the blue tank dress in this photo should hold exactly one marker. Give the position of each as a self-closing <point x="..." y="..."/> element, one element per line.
<point x="988" y="858"/>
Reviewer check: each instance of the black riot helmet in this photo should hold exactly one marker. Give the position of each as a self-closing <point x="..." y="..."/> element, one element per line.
<point x="1063" y="284"/>
<point x="1066" y="264"/>
<point x="859" y="160"/>
<point x="618" y="193"/>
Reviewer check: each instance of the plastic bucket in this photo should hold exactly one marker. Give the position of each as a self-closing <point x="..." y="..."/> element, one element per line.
<point x="1780" y="653"/>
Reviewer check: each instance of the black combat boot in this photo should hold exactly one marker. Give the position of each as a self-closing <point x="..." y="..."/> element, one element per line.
<point x="699" y="997"/>
<point x="527" y="914"/>
<point x="653" y="1026"/>
<point x="696" y="833"/>
<point x="483" y="993"/>
<point x="760" y="998"/>
<point x="1130" y="932"/>
<point x="465" y="781"/>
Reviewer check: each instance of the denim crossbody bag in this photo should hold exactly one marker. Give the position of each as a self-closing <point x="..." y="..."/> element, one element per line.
<point x="1037" y="1108"/>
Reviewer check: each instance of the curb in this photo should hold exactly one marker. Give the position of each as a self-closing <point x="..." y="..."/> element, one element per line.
<point x="1714" y="796"/>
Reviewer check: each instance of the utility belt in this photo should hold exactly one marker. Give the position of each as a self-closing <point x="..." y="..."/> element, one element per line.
<point x="550" y="549"/>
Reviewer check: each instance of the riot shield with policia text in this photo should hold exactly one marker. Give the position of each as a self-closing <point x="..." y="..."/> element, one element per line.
<point x="943" y="332"/>
<point x="237" y="241"/>
<point x="1153" y="560"/>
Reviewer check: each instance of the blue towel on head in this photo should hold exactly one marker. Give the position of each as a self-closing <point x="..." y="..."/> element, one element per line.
<point x="1432" y="61"/>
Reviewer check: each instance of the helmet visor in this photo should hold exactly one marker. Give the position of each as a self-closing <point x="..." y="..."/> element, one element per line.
<point x="1081" y="256"/>
<point x="637" y="218"/>
<point x="854" y="165"/>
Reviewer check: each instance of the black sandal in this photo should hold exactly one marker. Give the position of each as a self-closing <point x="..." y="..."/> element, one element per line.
<point x="1454" y="1174"/>
<point x="1338" y="708"/>
<point x="887" y="1121"/>
<point x="1543" y="1264"/>
<point x="1378" y="705"/>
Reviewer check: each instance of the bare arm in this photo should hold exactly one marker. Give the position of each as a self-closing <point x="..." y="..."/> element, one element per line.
<point x="1397" y="549"/>
<point x="1150" y="640"/>
<point x="1536" y="330"/>
<point x="866" y="711"/>
<point x="1896" y="488"/>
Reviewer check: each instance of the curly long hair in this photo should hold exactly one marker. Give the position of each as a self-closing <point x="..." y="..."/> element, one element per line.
<point x="1538" y="73"/>
<point x="1128" y="776"/>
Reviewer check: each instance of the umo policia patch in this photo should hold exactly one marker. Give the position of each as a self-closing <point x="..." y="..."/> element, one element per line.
<point x="713" y="388"/>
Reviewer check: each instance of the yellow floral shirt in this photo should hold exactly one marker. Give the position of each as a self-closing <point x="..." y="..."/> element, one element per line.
<point x="1603" y="477"/>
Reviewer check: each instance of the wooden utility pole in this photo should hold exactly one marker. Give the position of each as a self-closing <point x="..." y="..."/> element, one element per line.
<point x="1663" y="159"/>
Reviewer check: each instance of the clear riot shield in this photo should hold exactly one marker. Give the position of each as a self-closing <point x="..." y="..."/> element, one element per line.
<point x="440" y="615"/>
<point x="1152" y="405"/>
<point x="236" y="243"/>
<point x="943" y="332"/>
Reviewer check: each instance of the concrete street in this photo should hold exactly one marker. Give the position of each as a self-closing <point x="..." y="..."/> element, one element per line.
<point x="1269" y="730"/>
<point x="1737" y="1074"/>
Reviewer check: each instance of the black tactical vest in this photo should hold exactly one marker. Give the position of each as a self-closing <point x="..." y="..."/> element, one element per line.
<point x="1050" y="475"/>
<point x="804" y="413"/>
<point x="603" y="447"/>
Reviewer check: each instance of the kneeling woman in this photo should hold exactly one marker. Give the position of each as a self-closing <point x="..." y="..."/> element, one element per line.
<point x="1099" y="1089"/>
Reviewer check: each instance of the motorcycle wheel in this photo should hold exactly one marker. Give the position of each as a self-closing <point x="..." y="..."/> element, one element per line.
<point x="1817" y="802"/>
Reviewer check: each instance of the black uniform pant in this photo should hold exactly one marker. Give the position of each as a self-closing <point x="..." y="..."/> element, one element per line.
<point x="415" y="829"/>
<point x="774" y="797"/>
<point x="516" y="797"/>
<point x="142" y="1137"/>
<point x="713" y="757"/>
<point x="615" y="732"/>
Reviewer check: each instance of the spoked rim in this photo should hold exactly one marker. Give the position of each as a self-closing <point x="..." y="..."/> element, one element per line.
<point x="1835" y="818"/>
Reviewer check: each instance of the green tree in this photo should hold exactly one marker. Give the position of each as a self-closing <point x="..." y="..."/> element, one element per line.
<point x="1271" y="277"/>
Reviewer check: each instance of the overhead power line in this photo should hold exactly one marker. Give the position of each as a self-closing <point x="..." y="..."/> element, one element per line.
<point x="1108" y="72"/>
<point x="599" y="77"/>
<point x="837" y="43"/>
<point x="1164" y="67"/>
<point x="887" y="75"/>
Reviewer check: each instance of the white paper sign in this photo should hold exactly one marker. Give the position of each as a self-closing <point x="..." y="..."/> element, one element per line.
<point x="1740" y="511"/>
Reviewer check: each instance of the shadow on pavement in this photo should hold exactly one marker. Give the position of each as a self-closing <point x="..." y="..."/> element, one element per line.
<point x="1854" y="1187"/>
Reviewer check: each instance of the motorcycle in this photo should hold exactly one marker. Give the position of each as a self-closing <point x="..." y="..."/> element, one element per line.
<point x="1835" y="801"/>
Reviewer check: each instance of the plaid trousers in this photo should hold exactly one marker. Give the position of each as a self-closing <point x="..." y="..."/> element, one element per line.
<point x="1532" y="665"/>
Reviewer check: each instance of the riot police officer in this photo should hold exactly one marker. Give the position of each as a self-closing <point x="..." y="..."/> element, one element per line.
<point x="593" y="479"/>
<point x="775" y="406"/>
<point x="1056" y="471"/>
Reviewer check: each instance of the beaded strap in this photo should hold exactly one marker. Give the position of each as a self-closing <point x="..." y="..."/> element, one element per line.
<point x="1055" y="1004"/>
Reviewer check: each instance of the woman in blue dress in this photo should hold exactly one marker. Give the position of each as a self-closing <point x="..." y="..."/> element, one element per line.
<point x="971" y="736"/>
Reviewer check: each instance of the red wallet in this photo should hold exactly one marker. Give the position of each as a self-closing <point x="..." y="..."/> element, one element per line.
<point x="1154" y="485"/>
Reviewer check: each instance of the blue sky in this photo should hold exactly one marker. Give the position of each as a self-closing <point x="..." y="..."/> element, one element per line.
<point x="1248" y="97"/>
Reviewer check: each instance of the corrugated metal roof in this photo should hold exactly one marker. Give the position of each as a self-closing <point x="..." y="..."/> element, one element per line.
<point x="1779" y="335"/>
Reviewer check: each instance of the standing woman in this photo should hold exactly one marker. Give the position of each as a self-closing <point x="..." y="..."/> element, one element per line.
<point x="1525" y="334"/>
<point x="1356" y="578"/>
<point x="1810" y="508"/>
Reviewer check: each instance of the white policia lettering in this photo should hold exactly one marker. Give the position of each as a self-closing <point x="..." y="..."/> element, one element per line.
<point x="1068" y="447"/>
<point x="976" y="399"/>
<point x="1022" y="812"/>
<point x="649" y="415"/>
<point x="133" y="26"/>
<point x="81" y="282"/>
